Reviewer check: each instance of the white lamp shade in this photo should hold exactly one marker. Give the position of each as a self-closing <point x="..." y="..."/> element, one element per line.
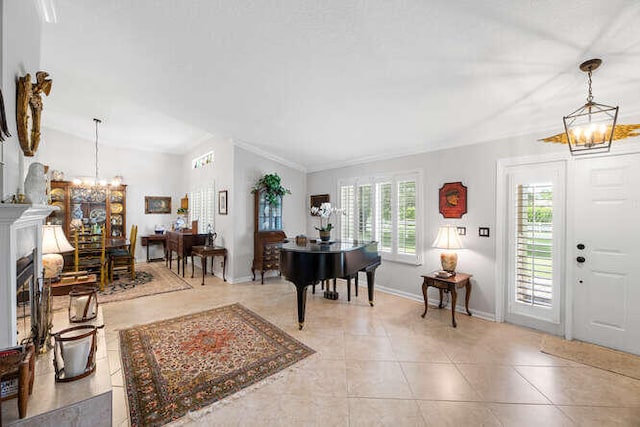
<point x="54" y="241"/>
<point x="447" y="238"/>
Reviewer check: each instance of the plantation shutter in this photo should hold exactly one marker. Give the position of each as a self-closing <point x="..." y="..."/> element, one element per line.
<point x="202" y="207"/>
<point x="407" y="217"/>
<point x="365" y="213"/>
<point x="534" y="244"/>
<point x="384" y="216"/>
<point x="347" y="202"/>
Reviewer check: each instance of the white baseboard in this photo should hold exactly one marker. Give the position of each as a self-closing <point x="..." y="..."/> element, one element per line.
<point x="419" y="298"/>
<point x="234" y="280"/>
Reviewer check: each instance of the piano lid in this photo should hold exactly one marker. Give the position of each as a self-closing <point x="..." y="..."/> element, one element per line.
<point x="333" y="247"/>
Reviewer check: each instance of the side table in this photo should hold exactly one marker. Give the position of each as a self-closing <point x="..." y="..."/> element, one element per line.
<point x="151" y="239"/>
<point x="450" y="284"/>
<point x="69" y="280"/>
<point x="204" y="251"/>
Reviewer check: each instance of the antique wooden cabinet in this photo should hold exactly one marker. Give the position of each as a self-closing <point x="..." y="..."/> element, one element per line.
<point x="267" y="233"/>
<point x="81" y="205"/>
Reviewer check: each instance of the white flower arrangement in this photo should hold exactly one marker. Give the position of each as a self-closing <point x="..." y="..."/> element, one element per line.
<point x="324" y="212"/>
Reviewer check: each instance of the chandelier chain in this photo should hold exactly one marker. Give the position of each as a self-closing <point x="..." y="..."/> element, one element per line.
<point x="590" y="96"/>
<point x="97" y="174"/>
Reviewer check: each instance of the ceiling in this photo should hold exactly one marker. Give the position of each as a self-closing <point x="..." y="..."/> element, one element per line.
<point x="327" y="83"/>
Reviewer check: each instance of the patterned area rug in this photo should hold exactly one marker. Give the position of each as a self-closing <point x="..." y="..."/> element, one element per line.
<point x="593" y="355"/>
<point x="151" y="279"/>
<point x="179" y="365"/>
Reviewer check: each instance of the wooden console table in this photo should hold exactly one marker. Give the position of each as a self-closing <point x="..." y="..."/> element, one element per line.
<point x="204" y="251"/>
<point x="450" y="284"/>
<point x="69" y="280"/>
<point x="151" y="239"/>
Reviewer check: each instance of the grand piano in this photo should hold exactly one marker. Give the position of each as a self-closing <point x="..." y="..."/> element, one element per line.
<point x="307" y="264"/>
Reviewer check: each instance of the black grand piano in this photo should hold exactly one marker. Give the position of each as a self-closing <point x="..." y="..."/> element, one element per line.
<point x="310" y="263"/>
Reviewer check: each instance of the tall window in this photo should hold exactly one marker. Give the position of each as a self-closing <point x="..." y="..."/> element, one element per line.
<point x="202" y="206"/>
<point x="535" y="224"/>
<point x="534" y="244"/>
<point x="384" y="209"/>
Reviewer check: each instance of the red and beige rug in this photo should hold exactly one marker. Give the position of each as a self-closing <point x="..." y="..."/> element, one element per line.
<point x="179" y="365"/>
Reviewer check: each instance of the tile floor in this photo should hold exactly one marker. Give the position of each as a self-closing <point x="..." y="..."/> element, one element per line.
<point x="387" y="366"/>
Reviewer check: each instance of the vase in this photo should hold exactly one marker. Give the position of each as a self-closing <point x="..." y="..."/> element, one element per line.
<point x="325" y="235"/>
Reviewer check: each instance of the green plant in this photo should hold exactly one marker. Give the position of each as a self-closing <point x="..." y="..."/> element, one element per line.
<point x="273" y="189"/>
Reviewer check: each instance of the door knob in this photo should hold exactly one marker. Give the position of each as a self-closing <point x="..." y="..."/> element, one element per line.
<point x="580" y="246"/>
<point x="580" y="259"/>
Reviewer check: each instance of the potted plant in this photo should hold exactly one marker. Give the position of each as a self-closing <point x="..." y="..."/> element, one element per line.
<point x="272" y="187"/>
<point x="324" y="212"/>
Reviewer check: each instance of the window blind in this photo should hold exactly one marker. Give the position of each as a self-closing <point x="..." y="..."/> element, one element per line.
<point x="534" y="244"/>
<point x="384" y="216"/>
<point x="347" y="201"/>
<point x="406" y="217"/>
<point x="365" y="213"/>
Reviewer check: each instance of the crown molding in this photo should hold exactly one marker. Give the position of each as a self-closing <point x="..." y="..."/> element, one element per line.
<point x="262" y="153"/>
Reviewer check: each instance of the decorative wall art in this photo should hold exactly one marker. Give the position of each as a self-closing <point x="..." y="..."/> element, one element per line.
<point x="29" y="109"/>
<point x="453" y="200"/>
<point x="157" y="205"/>
<point x="316" y="201"/>
<point x="222" y="202"/>
<point x="4" y="129"/>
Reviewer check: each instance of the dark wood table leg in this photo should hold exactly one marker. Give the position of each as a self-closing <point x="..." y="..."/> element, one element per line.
<point x="467" y="295"/>
<point x="349" y="288"/>
<point x="441" y="305"/>
<point x="454" y="299"/>
<point x="425" y="288"/>
<point x="224" y="267"/>
<point x="192" y="266"/>
<point x="356" y="284"/>
<point x="301" y="291"/>
<point x="148" y="252"/>
<point x="204" y="267"/>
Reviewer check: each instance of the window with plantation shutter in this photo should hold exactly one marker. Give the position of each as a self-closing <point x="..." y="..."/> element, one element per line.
<point x="534" y="244"/>
<point x="407" y="217"/>
<point x="384" y="216"/>
<point x="347" y="202"/>
<point x="383" y="209"/>
<point x="202" y="207"/>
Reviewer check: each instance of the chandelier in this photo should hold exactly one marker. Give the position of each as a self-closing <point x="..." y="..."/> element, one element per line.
<point x="591" y="127"/>
<point x="96" y="184"/>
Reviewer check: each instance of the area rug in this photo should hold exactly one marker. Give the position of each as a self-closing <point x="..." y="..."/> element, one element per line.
<point x="151" y="279"/>
<point x="593" y="355"/>
<point x="175" y="366"/>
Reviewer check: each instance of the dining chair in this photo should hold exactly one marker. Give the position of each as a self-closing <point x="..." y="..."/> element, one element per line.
<point x="125" y="257"/>
<point x="90" y="253"/>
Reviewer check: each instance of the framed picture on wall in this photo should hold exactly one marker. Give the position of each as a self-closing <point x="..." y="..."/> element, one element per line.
<point x="453" y="200"/>
<point x="317" y="200"/>
<point x="157" y="205"/>
<point x="222" y="202"/>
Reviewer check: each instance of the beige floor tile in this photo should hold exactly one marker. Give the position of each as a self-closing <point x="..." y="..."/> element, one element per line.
<point x="501" y="384"/>
<point x="436" y="381"/>
<point x="384" y="412"/>
<point x="454" y="414"/>
<point x="417" y="348"/>
<point x="314" y="377"/>
<point x="120" y="409"/>
<point x="583" y="386"/>
<point x="518" y="415"/>
<point x="589" y="416"/>
<point x="381" y="379"/>
<point x="361" y="347"/>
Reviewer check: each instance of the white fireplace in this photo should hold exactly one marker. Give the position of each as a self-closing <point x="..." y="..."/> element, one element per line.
<point x="20" y="234"/>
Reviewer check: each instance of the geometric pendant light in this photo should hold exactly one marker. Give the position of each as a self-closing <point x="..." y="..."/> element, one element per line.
<point x="590" y="128"/>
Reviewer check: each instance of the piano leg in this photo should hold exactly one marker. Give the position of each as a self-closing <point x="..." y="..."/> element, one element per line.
<point x="371" y="275"/>
<point x="349" y="288"/>
<point x="301" y="291"/>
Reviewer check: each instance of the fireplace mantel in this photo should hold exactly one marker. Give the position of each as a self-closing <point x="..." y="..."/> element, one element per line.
<point x="20" y="227"/>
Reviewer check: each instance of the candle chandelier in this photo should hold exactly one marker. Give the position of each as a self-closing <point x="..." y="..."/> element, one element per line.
<point x="591" y="127"/>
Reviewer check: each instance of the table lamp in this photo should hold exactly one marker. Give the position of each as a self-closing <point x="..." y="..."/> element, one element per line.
<point x="54" y="243"/>
<point x="448" y="239"/>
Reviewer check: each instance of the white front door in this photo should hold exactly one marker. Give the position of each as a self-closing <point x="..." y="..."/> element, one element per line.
<point x="606" y="261"/>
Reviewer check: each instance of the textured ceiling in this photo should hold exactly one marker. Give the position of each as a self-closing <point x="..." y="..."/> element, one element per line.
<point x="327" y="83"/>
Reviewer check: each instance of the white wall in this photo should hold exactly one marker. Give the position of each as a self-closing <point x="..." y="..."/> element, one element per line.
<point x="221" y="174"/>
<point x="145" y="173"/>
<point x="248" y="168"/>
<point x="475" y="166"/>
<point x="21" y="34"/>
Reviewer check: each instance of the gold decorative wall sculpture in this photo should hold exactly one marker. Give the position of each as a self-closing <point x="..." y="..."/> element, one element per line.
<point x="29" y="109"/>
<point x="620" y="132"/>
